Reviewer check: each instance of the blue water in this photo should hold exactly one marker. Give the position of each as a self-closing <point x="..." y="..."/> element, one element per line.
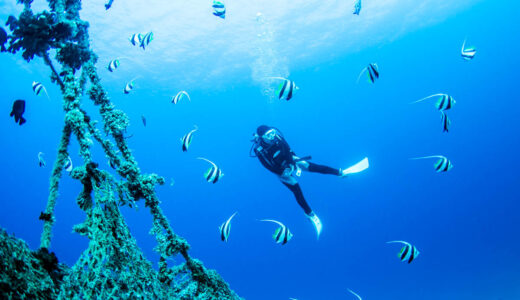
<point x="464" y="222"/>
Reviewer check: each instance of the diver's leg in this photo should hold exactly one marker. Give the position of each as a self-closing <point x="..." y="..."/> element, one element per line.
<point x="322" y="169"/>
<point x="298" y="194"/>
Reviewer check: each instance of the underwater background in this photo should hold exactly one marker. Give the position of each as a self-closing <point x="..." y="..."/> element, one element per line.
<point x="464" y="222"/>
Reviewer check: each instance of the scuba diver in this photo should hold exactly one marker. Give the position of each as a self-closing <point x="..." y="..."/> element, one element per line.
<point x="274" y="153"/>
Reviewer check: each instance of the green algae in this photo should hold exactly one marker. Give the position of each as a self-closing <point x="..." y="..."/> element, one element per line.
<point x="112" y="266"/>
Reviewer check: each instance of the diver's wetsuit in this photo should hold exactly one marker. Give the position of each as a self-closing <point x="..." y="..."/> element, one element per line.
<point x="278" y="158"/>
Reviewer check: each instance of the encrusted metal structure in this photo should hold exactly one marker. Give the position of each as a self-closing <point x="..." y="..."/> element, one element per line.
<point x="113" y="266"/>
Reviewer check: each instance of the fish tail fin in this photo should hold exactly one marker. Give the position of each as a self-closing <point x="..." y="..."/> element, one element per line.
<point x="22" y="120"/>
<point x="3" y="49"/>
<point x="426" y="157"/>
<point x="361" y="74"/>
<point x="426" y="98"/>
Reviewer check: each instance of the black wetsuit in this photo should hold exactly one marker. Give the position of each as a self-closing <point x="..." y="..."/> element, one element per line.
<point x="278" y="156"/>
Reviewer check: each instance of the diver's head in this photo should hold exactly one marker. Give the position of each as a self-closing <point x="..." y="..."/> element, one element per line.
<point x="269" y="135"/>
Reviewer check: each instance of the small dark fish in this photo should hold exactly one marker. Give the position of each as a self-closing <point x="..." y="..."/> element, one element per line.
<point x="109" y="4"/>
<point x="3" y="39"/>
<point x="18" y="110"/>
<point x="408" y="252"/>
<point x="357" y="7"/>
<point x="144" y="120"/>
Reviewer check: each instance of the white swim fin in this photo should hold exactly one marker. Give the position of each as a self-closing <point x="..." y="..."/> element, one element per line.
<point x="360" y="166"/>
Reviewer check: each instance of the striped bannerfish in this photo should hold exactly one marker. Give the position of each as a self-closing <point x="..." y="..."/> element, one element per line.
<point x="41" y="161"/>
<point x="467" y="53"/>
<point x="444" y="102"/>
<point x="186" y="139"/>
<point x="38" y="87"/>
<point x="372" y="70"/>
<point x="129" y="87"/>
<point x="179" y="96"/>
<point x="68" y="164"/>
<point x="357" y="7"/>
<point x="214" y="173"/>
<point x="442" y="165"/>
<point x="408" y="252"/>
<point x="446" y="123"/>
<point x="282" y="234"/>
<point x="136" y="39"/>
<point x="287" y="90"/>
<point x="225" y="229"/>
<point x="146" y="40"/>
<point x="113" y="65"/>
<point x="356" y="295"/>
<point x="219" y="9"/>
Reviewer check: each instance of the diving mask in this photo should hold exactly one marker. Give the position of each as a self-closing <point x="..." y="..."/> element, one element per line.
<point x="269" y="135"/>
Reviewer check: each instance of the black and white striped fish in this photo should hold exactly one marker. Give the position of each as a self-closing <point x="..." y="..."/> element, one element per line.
<point x="282" y="234"/>
<point x="187" y="138"/>
<point x="446" y="123"/>
<point x="136" y="39"/>
<point x="219" y="9"/>
<point x="444" y="102"/>
<point x="443" y="164"/>
<point x="373" y="72"/>
<point x="41" y="161"/>
<point x="179" y="96"/>
<point x="128" y="87"/>
<point x="38" y="87"/>
<point x="286" y="89"/>
<point x="68" y="165"/>
<point x="408" y="252"/>
<point x="113" y="65"/>
<point x="467" y="53"/>
<point x="357" y="7"/>
<point x="146" y="40"/>
<point x="225" y="229"/>
<point x="214" y="173"/>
